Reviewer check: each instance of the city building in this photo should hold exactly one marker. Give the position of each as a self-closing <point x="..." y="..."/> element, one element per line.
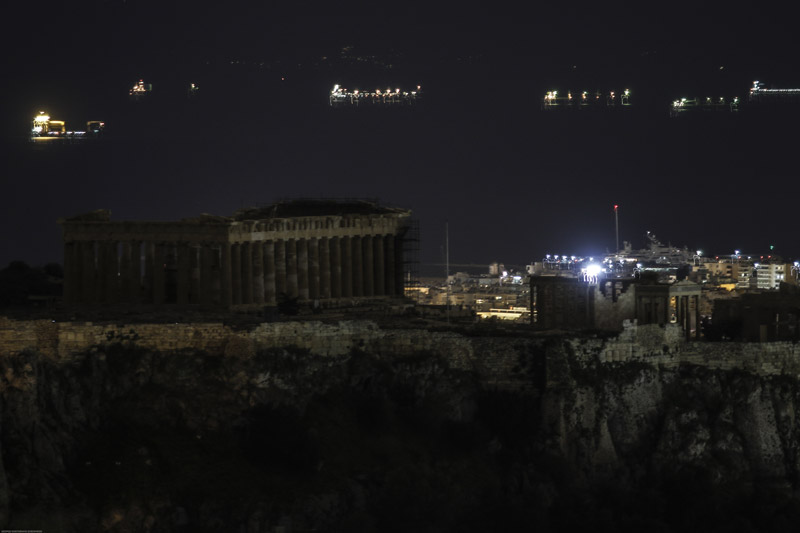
<point x="759" y="317"/>
<point x="307" y="250"/>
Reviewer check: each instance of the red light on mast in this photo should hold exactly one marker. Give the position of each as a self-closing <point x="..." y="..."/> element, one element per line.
<point x="615" y="207"/>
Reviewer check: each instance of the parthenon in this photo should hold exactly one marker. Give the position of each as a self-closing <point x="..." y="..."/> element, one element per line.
<point x="304" y="249"/>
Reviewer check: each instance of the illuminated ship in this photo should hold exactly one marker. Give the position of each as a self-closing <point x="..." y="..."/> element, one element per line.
<point x="760" y="94"/>
<point x="46" y="128"/>
<point x="140" y="89"/>
<point x="340" y="96"/>
<point x="683" y="105"/>
<point x="555" y="100"/>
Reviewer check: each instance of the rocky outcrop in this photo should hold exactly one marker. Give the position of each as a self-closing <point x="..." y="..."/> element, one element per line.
<point x="308" y="426"/>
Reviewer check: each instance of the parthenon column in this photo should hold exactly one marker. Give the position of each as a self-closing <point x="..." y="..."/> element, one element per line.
<point x="269" y="273"/>
<point x="135" y="274"/>
<point x="357" y="270"/>
<point x="206" y="275"/>
<point x="107" y="268"/>
<point x="313" y="269"/>
<point x="347" y="266"/>
<point x="324" y="268"/>
<point x="88" y="272"/>
<point x="125" y="280"/>
<point x="368" y="267"/>
<point x="258" y="271"/>
<point x="380" y="273"/>
<point x="302" y="269"/>
<point x="226" y="283"/>
<point x="291" y="268"/>
<point x="101" y="272"/>
<point x="159" y="280"/>
<point x="398" y="266"/>
<point x="281" y="286"/>
<point x="236" y="273"/>
<point x="184" y="273"/>
<point x="149" y="249"/>
<point x="391" y="285"/>
<point x="335" y="248"/>
<point x="247" y="273"/>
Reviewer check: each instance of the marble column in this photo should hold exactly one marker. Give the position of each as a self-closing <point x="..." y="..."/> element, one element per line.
<point x="335" y="248"/>
<point x="347" y="266"/>
<point x="159" y="280"/>
<point x="380" y="269"/>
<point x="247" y="273"/>
<point x="107" y="269"/>
<point x="269" y="273"/>
<point x="184" y="273"/>
<point x="125" y="280"/>
<point x="258" y="272"/>
<point x="398" y="267"/>
<point x="324" y="269"/>
<point x="135" y="276"/>
<point x="236" y="273"/>
<point x="368" y="267"/>
<point x="89" y="292"/>
<point x="206" y="274"/>
<point x="281" y="286"/>
<point x="357" y="270"/>
<point x="291" y="268"/>
<point x="313" y="269"/>
<point x="391" y="281"/>
<point x="101" y="258"/>
<point x="302" y="269"/>
<point x="226" y="283"/>
<point x="149" y="274"/>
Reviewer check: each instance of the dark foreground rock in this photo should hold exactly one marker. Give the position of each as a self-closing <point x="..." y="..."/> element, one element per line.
<point x="123" y="438"/>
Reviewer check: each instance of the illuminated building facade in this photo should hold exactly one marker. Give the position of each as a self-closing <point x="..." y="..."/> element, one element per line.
<point x="304" y="250"/>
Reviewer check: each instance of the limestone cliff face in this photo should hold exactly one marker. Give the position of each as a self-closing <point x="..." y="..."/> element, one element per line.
<point x="635" y="419"/>
<point x="351" y="427"/>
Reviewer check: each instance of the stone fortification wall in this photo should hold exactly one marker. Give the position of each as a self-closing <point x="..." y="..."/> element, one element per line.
<point x="506" y="362"/>
<point x="666" y="346"/>
<point x="502" y="362"/>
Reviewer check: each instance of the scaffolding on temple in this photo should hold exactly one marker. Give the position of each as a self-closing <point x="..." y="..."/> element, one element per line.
<point x="411" y="282"/>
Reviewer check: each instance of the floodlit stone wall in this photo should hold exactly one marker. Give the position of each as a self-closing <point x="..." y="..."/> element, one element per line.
<point x="503" y="362"/>
<point x="496" y="360"/>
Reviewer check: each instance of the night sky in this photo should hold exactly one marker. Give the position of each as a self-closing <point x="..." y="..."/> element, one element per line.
<point x="514" y="182"/>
